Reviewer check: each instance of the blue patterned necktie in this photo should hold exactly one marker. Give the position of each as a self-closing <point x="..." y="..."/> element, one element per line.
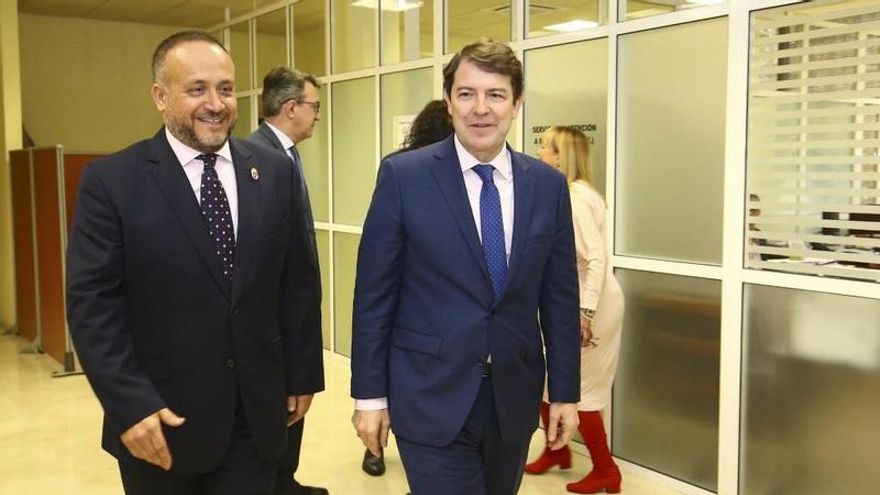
<point x="215" y="209"/>
<point x="492" y="229"/>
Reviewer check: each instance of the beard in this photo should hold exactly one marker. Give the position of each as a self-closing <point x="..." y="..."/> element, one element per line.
<point x="206" y="142"/>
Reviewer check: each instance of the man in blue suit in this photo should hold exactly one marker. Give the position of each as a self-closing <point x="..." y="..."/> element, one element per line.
<point x="466" y="262"/>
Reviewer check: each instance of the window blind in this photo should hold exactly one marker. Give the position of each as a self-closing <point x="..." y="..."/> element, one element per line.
<point x="813" y="167"/>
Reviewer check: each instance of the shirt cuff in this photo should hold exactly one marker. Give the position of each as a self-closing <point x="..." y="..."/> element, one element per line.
<point x="371" y="404"/>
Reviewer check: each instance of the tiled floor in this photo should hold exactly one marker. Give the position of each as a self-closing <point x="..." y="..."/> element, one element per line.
<point x="50" y="434"/>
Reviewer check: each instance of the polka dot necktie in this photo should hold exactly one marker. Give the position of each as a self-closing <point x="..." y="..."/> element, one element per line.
<point x="492" y="229"/>
<point x="215" y="209"/>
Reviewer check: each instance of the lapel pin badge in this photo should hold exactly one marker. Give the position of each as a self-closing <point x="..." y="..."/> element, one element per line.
<point x="255" y="174"/>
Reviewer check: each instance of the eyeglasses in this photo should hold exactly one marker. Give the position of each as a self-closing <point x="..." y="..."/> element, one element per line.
<point x="316" y="105"/>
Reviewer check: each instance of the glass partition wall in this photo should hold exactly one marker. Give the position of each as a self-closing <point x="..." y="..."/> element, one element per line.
<point x="718" y="128"/>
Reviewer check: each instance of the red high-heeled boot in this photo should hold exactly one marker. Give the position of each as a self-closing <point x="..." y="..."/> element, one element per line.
<point x="605" y="474"/>
<point x="549" y="458"/>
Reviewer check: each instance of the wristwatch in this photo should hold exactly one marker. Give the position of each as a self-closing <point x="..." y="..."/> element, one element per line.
<point x="588" y="313"/>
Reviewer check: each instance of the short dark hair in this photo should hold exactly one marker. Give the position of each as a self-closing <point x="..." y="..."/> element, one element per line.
<point x="432" y="124"/>
<point x="283" y="84"/>
<point x="176" y="39"/>
<point x="490" y="56"/>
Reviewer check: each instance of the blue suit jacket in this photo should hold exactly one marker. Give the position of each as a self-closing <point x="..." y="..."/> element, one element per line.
<point x="425" y="316"/>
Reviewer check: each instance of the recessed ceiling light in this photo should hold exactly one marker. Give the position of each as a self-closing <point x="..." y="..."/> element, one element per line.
<point x="575" y="25"/>
<point x="388" y="5"/>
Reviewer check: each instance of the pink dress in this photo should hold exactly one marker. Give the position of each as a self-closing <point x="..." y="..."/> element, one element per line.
<point x="600" y="291"/>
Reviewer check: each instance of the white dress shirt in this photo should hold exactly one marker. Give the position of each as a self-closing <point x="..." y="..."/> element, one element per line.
<point x="286" y="142"/>
<point x="503" y="178"/>
<point x="193" y="169"/>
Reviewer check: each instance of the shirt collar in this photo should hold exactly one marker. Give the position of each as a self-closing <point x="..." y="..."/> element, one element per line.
<point x="286" y="142"/>
<point x="185" y="154"/>
<point x="501" y="162"/>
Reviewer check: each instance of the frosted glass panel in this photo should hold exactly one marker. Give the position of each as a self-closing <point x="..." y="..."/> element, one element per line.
<point x="810" y="408"/>
<point x="354" y="35"/>
<point x="563" y="16"/>
<point x="403" y="96"/>
<point x="240" y="50"/>
<point x="354" y="149"/>
<point x="316" y="165"/>
<point x="407" y="34"/>
<point x="308" y="36"/>
<point x="323" y="241"/>
<point x="671" y="99"/>
<point x="666" y="391"/>
<point x="568" y="85"/>
<point x="271" y="42"/>
<point x="345" y="261"/>
<point x="469" y="20"/>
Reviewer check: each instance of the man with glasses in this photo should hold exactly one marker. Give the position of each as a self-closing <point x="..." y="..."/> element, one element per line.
<point x="291" y="108"/>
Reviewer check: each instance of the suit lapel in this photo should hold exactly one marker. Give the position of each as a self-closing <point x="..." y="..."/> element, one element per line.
<point x="171" y="179"/>
<point x="447" y="172"/>
<point x="246" y="244"/>
<point x="270" y="136"/>
<point x="523" y="197"/>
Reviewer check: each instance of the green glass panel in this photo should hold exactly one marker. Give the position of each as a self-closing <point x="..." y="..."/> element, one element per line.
<point x="316" y="164"/>
<point x="404" y="94"/>
<point x="354" y="149"/>
<point x="243" y="124"/>
<point x="323" y="240"/>
<point x="568" y="85"/>
<point x="271" y="42"/>
<point x="345" y="260"/>
<point x="670" y="157"/>
<point x="407" y="30"/>
<point x="240" y="51"/>
<point x="308" y="36"/>
<point x="354" y="34"/>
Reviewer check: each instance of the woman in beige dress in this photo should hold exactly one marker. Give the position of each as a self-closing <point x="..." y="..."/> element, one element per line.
<point x="601" y="302"/>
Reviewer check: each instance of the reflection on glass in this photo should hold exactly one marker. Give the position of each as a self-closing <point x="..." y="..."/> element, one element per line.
<point x="316" y="165"/>
<point x="407" y="29"/>
<point x="670" y="170"/>
<point x="240" y="51"/>
<point x="404" y="94"/>
<point x="564" y="16"/>
<point x="811" y="372"/>
<point x="568" y="85"/>
<point x="637" y="9"/>
<point x="666" y="391"/>
<point x="469" y="20"/>
<point x="271" y="42"/>
<point x="323" y="242"/>
<point x="345" y="260"/>
<point x="354" y="149"/>
<point x="354" y="36"/>
<point x="243" y="124"/>
<point x="308" y="36"/>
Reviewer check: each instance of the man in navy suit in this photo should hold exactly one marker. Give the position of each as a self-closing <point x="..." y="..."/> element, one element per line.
<point x="291" y="108"/>
<point x="188" y="287"/>
<point x="465" y="263"/>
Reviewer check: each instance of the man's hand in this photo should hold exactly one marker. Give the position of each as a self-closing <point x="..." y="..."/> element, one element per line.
<point x="146" y="441"/>
<point x="298" y="406"/>
<point x="566" y="415"/>
<point x="372" y="428"/>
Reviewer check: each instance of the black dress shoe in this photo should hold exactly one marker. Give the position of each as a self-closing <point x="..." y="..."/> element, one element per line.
<point x="298" y="489"/>
<point x="372" y="465"/>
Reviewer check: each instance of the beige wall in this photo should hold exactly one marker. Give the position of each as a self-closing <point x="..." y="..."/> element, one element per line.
<point x="10" y="138"/>
<point x="86" y="83"/>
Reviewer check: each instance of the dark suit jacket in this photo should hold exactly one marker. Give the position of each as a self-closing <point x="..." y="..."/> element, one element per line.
<point x="264" y="137"/>
<point x="157" y="325"/>
<point x="425" y="315"/>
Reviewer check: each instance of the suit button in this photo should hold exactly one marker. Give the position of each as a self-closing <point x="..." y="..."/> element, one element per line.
<point x="230" y="363"/>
